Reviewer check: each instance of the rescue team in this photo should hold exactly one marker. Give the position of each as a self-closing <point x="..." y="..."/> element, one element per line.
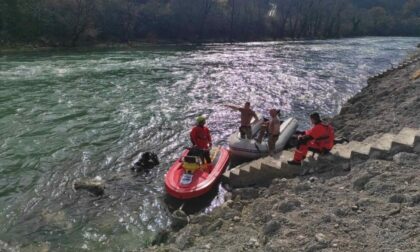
<point x="320" y="138"/>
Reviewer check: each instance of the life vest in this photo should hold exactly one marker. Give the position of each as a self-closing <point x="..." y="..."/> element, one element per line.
<point x="191" y="164"/>
<point x="200" y="136"/>
<point x="326" y="141"/>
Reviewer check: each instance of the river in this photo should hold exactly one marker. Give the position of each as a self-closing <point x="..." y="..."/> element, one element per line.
<point x="68" y="114"/>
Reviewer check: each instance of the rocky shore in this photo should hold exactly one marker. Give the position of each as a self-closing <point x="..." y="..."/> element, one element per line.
<point x="385" y="105"/>
<point x="374" y="206"/>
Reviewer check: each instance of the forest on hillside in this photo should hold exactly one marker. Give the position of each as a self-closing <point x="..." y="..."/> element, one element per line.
<point x="75" y="22"/>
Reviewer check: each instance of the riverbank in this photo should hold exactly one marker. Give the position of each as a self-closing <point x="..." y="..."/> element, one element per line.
<point x="35" y="47"/>
<point x="385" y="105"/>
<point x="372" y="207"/>
<point x="15" y="48"/>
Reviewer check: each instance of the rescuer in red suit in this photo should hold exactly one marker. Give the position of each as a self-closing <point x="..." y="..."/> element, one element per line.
<point x="201" y="139"/>
<point x="320" y="138"/>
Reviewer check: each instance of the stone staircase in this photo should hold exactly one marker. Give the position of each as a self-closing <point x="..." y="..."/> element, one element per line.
<point x="395" y="68"/>
<point x="383" y="146"/>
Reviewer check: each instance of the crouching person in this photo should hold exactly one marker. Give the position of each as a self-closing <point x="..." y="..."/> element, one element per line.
<point x="320" y="138"/>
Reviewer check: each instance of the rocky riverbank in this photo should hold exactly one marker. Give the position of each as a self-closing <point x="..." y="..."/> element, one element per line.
<point x="375" y="206"/>
<point x="386" y="104"/>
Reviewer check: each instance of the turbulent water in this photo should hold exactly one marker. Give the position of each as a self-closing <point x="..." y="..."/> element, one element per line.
<point x="71" y="114"/>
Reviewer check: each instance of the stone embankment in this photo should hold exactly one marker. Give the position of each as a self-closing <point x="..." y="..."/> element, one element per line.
<point x="369" y="205"/>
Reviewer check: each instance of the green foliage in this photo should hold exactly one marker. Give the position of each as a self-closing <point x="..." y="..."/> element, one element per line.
<point x="71" y="22"/>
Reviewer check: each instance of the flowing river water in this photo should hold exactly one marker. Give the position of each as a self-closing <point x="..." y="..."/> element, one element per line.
<point x="69" y="114"/>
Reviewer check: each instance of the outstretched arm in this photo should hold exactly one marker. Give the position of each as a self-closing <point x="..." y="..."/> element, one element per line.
<point x="232" y="107"/>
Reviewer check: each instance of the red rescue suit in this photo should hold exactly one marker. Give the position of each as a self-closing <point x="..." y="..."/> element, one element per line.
<point x="200" y="137"/>
<point x="322" y="139"/>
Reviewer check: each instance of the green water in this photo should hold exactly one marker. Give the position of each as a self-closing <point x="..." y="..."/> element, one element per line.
<point x="71" y="114"/>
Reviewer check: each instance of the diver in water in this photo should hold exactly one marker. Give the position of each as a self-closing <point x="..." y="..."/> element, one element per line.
<point x="147" y="161"/>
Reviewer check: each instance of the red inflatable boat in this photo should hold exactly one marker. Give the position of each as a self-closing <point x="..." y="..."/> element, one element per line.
<point x="189" y="178"/>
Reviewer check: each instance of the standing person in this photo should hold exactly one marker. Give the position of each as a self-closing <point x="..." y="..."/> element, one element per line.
<point x="246" y="116"/>
<point x="273" y="129"/>
<point x="201" y="139"/>
<point x="319" y="138"/>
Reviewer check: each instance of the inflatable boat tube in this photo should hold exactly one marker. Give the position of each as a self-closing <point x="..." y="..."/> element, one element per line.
<point x="250" y="148"/>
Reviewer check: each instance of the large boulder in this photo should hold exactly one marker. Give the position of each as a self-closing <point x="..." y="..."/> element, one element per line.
<point x="95" y="186"/>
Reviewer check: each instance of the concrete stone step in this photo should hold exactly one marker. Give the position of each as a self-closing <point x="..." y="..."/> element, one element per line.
<point x="409" y="131"/>
<point x="280" y="157"/>
<point x="290" y="171"/>
<point x="256" y="163"/>
<point x="242" y="173"/>
<point x="255" y="170"/>
<point x="246" y="169"/>
<point x="397" y="146"/>
<point x="352" y="151"/>
<point x="262" y="173"/>
<point x="227" y="173"/>
<point x="408" y="134"/>
<point x="378" y="152"/>
<point x="404" y="138"/>
<point x="235" y="171"/>
<point x="269" y="165"/>
<point x="266" y="170"/>
<point x="341" y="150"/>
<point x="382" y="146"/>
<point x="276" y="171"/>
<point x="359" y="151"/>
<point x="375" y="148"/>
<point x="416" y="145"/>
<point x="245" y="173"/>
<point x="384" y="142"/>
<point x="287" y="155"/>
<point x="361" y="147"/>
<point x="232" y="177"/>
<point x="254" y="167"/>
<point x="225" y="177"/>
<point x="244" y="179"/>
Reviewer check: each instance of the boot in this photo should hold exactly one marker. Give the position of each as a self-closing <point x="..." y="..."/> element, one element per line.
<point x="294" y="162"/>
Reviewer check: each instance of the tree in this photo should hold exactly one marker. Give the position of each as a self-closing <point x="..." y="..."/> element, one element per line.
<point x="232" y="19"/>
<point x="381" y="23"/>
<point x="10" y="18"/>
<point x="412" y="8"/>
<point x="68" y="20"/>
<point x="206" y="6"/>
